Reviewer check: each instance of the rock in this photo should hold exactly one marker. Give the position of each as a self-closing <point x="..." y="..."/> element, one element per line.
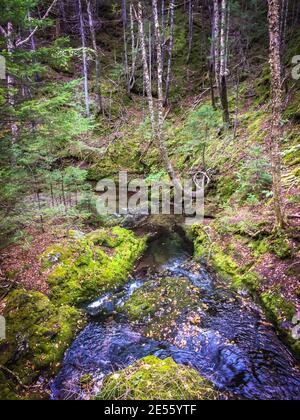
<point x="154" y="379"/>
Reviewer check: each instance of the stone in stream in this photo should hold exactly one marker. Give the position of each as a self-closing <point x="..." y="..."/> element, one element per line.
<point x="154" y="379"/>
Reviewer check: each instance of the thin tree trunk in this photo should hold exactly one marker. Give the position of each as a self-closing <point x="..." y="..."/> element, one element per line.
<point x="163" y="30"/>
<point x="212" y="64"/>
<point x="97" y="56"/>
<point x="134" y="48"/>
<point x="150" y="53"/>
<point x="85" y="60"/>
<point x="10" y="83"/>
<point x="170" y="52"/>
<point x="223" y="69"/>
<point x="191" y="19"/>
<point x="124" y="17"/>
<point x="216" y="41"/>
<point x="146" y="72"/>
<point x="277" y="108"/>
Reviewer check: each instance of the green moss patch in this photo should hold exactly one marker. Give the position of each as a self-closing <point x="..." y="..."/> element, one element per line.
<point x="154" y="379"/>
<point x="85" y="268"/>
<point x="38" y="334"/>
<point x="157" y="305"/>
<point x="124" y="154"/>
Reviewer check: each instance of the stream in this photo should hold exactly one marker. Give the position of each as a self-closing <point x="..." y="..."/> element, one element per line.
<point x="235" y="346"/>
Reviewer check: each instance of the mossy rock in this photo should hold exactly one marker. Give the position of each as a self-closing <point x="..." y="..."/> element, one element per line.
<point x="223" y="263"/>
<point x="199" y="237"/>
<point x="154" y="379"/>
<point x="86" y="268"/>
<point x="281" y="310"/>
<point x="158" y="304"/>
<point x="249" y="281"/>
<point x="277" y="307"/>
<point x="38" y="334"/>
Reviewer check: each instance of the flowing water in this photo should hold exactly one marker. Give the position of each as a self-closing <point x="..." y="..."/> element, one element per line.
<point x="234" y="346"/>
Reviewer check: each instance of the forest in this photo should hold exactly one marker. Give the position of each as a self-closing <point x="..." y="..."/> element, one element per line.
<point x="150" y="200"/>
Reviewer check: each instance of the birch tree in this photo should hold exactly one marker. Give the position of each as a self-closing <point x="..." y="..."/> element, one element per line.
<point x="170" y="51"/>
<point x="223" y="61"/>
<point x="97" y="56"/>
<point x="84" y="59"/>
<point x="157" y="118"/>
<point x="146" y="72"/>
<point x="277" y="107"/>
<point x="160" y="134"/>
<point x="124" y="19"/>
<point x="191" y="21"/>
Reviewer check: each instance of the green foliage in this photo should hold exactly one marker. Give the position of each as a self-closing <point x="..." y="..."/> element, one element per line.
<point x="154" y="379"/>
<point x="200" y="126"/>
<point x="254" y="178"/>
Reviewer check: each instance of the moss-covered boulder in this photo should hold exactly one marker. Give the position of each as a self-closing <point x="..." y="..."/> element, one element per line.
<point x="158" y="304"/>
<point x="154" y="379"/>
<point x="38" y="334"/>
<point x="83" y="269"/>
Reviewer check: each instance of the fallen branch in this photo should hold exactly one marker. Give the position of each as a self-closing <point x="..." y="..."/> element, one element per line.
<point x="16" y="377"/>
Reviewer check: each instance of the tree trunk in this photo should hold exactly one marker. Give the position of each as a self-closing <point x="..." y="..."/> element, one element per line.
<point x="146" y="67"/>
<point x="191" y="18"/>
<point x="124" y="18"/>
<point x="170" y="52"/>
<point x="277" y="108"/>
<point x="134" y="48"/>
<point x="85" y="60"/>
<point x="216" y="41"/>
<point x="163" y="30"/>
<point x="223" y="59"/>
<point x="97" y="56"/>
<point x="10" y="83"/>
<point x="160" y="124"/>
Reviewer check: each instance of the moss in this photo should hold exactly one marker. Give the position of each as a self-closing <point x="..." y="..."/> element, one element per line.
<point x="199" y="237"/>
<point x="159" y="303"/>
<point x="38" y="334"/>
<point x="292" y="111"/>
<point x="7" y="388"/>
<point x="277" y="307"/>
<point x="250" y="280"/>
<point x="84" y="269"/>
<point x="154" y="379"/>
<point x="123" y="154"/>
<point x="254" y="122"/>
<point x="227" y="186"/>
<point x="223" y="263"/>
<point x="292" y="155"/>
<point x="281" y="310"/>
<point x="262" y="85"/>
<point x="260" y="247"/>
<point x="281" y="247"/>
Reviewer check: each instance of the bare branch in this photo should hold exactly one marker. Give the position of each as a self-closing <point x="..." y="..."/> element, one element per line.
<point x="24" y="41"/>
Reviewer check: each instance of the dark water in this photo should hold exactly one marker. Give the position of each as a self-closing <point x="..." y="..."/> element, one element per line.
<point x="234" y="346"/>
